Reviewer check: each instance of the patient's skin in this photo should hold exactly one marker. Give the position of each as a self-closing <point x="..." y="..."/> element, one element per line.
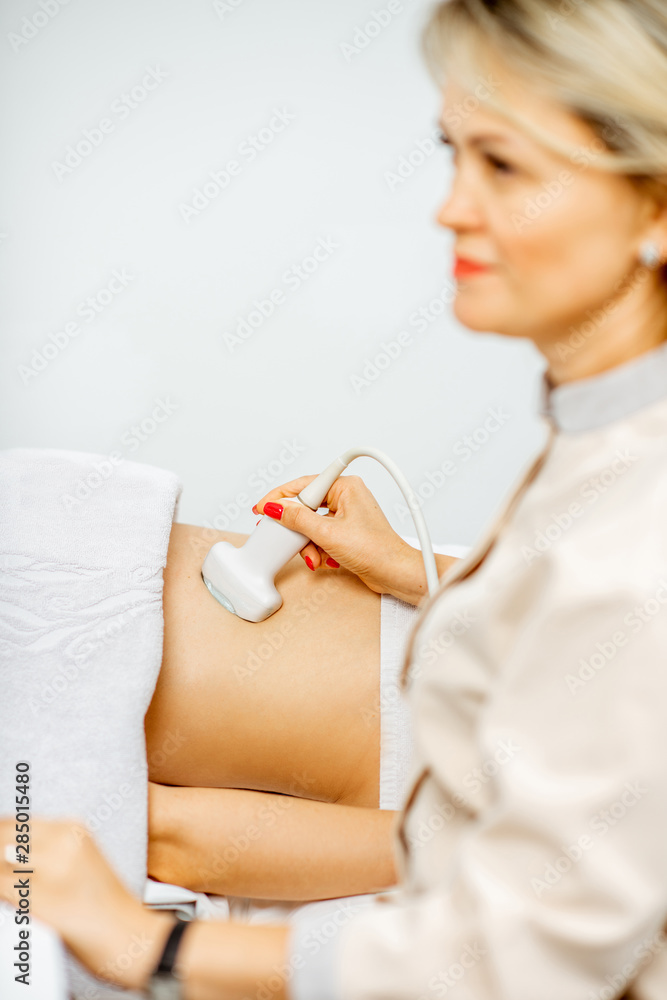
<point x="263" y="739"/>
<point x="287" y="705"/>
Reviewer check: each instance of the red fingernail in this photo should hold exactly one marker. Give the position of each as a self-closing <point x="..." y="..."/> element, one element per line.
<point x="258" y="522"/>
<point x="254" y="510"/>
<point x="333" y="563"/>
<point x="309" y="563"/>
<point x="273" y="510"/>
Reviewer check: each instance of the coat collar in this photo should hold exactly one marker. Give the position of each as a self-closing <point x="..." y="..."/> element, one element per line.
<point x="587" y="403"/>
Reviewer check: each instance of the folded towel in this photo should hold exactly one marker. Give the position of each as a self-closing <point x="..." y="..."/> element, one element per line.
<point x="84" y="543"/>
<point x="396" y="623"/>
<point x="187" y="904"/>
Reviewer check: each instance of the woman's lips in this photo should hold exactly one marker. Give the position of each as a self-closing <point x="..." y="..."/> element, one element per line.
<point x="466" y="268"/>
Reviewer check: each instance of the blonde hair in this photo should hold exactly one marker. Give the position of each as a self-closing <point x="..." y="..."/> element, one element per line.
<point x="605" y="61"/>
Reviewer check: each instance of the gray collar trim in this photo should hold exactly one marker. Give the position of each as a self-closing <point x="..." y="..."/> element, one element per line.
<point x="587" y="403"/>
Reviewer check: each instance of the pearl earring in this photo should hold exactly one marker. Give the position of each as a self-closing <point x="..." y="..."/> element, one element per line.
<point x="650" y="255"/>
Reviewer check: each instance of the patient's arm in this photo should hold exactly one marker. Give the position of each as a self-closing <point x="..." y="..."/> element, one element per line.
<point x="267" y="846"/>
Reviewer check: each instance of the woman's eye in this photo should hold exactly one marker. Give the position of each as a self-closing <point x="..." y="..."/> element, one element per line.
<point x="499" y="165"/>
<point x="451" y="148"/>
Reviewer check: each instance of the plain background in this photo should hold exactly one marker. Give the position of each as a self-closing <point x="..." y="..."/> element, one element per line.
<point x="221" y="71"/>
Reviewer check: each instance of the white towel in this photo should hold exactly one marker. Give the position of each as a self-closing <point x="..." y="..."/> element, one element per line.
<point x="83" y="546"/>
<point x="396" y="623"/>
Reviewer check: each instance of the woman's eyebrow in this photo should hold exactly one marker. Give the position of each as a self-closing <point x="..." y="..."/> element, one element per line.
<point x="479" y="138"/>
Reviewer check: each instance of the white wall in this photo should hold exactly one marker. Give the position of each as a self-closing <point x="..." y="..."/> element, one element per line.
<point x="220" y="72"/>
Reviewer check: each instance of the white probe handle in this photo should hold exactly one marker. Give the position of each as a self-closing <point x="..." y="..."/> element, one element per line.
<point x="272" y="544"/>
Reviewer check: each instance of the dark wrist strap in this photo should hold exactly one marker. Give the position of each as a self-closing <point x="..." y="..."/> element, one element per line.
<point x="168" y="957"/>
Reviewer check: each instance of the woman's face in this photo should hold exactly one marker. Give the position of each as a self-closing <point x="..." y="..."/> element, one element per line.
<point x="560" y="236"/>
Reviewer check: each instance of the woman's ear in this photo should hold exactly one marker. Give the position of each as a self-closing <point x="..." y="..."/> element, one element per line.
<point x="655" y="191"/>
<point x="652" y="219"/>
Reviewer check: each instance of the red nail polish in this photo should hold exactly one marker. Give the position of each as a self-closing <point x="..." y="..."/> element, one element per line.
<point x="333" y="563"/>
<point x="273" y="510"/>
<point x="258" y="522"/>
<point x="254" y="509"/>
<point x="309" y="563"/>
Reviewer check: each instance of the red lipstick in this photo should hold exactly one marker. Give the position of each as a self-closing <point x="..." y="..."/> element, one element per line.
<point x="466" y="268"/>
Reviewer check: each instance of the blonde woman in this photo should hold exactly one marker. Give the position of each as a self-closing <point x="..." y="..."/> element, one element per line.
<point x="530" y="851"/>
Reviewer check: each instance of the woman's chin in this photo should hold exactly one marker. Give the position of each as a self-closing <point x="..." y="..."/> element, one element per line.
<point x="476" y="316"/>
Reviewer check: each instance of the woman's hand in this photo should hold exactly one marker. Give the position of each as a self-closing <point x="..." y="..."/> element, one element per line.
<point x="354" y="534"/>
<point x="73" y="888"/>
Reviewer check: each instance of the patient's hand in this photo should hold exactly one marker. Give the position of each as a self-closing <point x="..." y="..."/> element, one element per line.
<point x="74" y="889"/>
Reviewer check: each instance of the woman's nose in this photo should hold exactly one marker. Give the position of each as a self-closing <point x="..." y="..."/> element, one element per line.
<point x="459" y="210"/>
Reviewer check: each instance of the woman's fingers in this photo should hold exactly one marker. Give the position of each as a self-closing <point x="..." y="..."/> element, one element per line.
<point x="286" y="490"/>
<point x="315" y="557"/>
<point x="326" y="560"/>
<point x="332" y="499"/>
<point x="310" y="555"/>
